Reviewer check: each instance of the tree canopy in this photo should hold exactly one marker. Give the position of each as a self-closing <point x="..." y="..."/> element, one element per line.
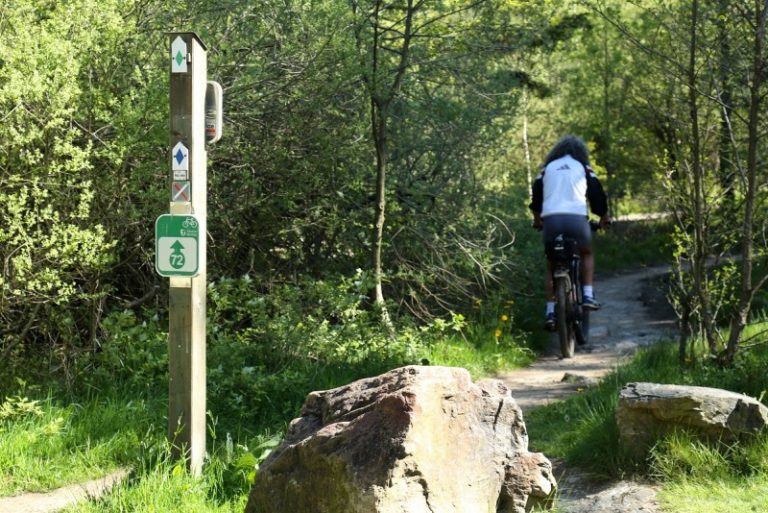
<point x="393" y="137"/>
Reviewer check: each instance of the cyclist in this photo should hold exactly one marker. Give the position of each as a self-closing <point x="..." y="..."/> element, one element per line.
<point x="561" y="194"/>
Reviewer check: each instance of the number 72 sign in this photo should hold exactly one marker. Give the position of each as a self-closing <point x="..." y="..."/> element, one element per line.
<point x="177" y="247"/>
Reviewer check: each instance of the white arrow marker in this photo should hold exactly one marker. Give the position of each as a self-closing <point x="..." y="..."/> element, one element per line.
<point x="179" y="158"/>
<point x="178" y="56"/>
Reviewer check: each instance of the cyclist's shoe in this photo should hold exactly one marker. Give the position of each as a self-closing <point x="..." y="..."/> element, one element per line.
<point x="590" y="303"/>
<point x="551" y="323"/>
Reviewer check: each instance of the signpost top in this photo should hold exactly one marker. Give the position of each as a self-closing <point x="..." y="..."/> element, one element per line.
<point x="189" y="34"/>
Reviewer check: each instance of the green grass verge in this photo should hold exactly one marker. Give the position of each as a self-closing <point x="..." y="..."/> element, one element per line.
<point x="168" y="488"/>
<point x="482" y="356"/>
<point x="716" y="496"/>
<point x="44" y="445"/>
<point x="583" y="431"/>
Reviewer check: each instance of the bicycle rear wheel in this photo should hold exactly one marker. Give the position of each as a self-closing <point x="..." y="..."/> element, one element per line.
<point x="564" y="320"/>
<point x="582" y="328"/>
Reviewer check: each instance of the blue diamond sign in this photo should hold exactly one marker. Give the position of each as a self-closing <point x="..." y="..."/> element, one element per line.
<point x="177" y="245"/>
<point x="180" y="161"/>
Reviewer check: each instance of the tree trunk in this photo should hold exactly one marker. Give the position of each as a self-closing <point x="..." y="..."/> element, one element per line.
<point x="700" y="250"/>
<point x="606" y="133"/>
<point x="725" y="154"/>
<point x="381" y="98"/>
<point x="379" y="124"/>
<point x="746" y="292"/>
<point x="526" y="147"/>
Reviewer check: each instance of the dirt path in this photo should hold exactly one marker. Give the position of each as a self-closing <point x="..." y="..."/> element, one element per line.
<point x="632" y="316"/>
<point x="61" y="498"/>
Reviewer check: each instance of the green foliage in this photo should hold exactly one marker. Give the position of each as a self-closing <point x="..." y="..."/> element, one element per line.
<point x="266" y="351"/>
<point x="52" y="248"/>
<point x="632" y="244"/>
<point x="290" y="185"/>
<point x="18" y="407"/>
<point x="133" y="352"/>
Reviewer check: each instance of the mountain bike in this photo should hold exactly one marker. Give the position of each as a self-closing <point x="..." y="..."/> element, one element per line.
<point x="572" y="319"/>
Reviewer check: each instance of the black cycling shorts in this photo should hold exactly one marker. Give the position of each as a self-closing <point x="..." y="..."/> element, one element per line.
<point x="570" y="225"/>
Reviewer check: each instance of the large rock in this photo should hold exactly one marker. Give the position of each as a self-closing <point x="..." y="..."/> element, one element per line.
<point x="648" y="410"/>
<point x="413" y="440"/>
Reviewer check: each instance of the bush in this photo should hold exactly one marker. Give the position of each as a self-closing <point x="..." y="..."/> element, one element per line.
<point x="266" y="351"/>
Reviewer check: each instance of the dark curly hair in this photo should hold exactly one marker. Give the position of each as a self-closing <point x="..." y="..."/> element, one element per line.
<point x="569" y="145"/>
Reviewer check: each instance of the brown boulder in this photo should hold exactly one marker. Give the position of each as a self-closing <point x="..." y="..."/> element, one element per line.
<point x="412" y="440"/>
<point x="648" y="410"/>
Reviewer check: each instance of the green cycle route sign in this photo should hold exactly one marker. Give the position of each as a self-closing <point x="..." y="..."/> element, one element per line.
<point x="177" y="245"/>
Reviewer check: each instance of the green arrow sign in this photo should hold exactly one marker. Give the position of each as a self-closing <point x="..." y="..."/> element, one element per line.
<point x="177" y="257"/>
<point x="177" y="245"/>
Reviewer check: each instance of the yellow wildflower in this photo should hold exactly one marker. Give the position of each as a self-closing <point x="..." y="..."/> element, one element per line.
<point x="504" y="318"/>
<point x="498" y="333"/>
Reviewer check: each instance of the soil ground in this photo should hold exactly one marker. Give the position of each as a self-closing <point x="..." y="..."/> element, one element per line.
<point x="60" y="498"/>
<point x="634" y="314"/>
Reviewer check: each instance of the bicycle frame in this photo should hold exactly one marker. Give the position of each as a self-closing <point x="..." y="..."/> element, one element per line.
<point x="572" y="319"/>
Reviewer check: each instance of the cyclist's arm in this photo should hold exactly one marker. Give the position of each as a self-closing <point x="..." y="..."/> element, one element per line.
<point x="537" y="201"/>
<point x="598" y="201"/>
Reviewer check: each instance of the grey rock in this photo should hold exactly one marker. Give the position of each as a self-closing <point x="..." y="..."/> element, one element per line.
<point x="648" y="410"/>
<point x="578" y="379"/>
<point x="412" y="440"/>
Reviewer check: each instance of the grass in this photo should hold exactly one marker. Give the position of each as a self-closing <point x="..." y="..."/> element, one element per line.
<point x="44" y="445"/>
<point x="716" y="496"/>
<point x="167" y="487"/>
<point x="483" y="350"/>
<point x="694" y="476"/>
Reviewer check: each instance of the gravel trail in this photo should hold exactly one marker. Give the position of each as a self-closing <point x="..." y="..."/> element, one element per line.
<point x="632" y="316"/>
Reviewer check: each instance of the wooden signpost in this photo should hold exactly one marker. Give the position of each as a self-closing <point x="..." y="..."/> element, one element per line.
<point x="180" y="241"/>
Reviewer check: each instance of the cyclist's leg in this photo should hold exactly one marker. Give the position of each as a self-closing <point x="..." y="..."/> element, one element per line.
<point x="587" y="275"/>
<point x="577" y="227"/>
<point x="587" y="265"/>
<point x="549" y="288"/>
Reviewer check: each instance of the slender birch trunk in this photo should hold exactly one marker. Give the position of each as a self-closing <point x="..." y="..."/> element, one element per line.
<point x="700" y="249"/>
<point x="747" y="290"/>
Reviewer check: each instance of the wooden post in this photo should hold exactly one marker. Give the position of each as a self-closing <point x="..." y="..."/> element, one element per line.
<point x="187" y="301"/>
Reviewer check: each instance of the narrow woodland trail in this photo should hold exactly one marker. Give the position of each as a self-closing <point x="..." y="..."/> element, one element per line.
<point x="630" y="318"/>
<point x="61" y="498"/>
